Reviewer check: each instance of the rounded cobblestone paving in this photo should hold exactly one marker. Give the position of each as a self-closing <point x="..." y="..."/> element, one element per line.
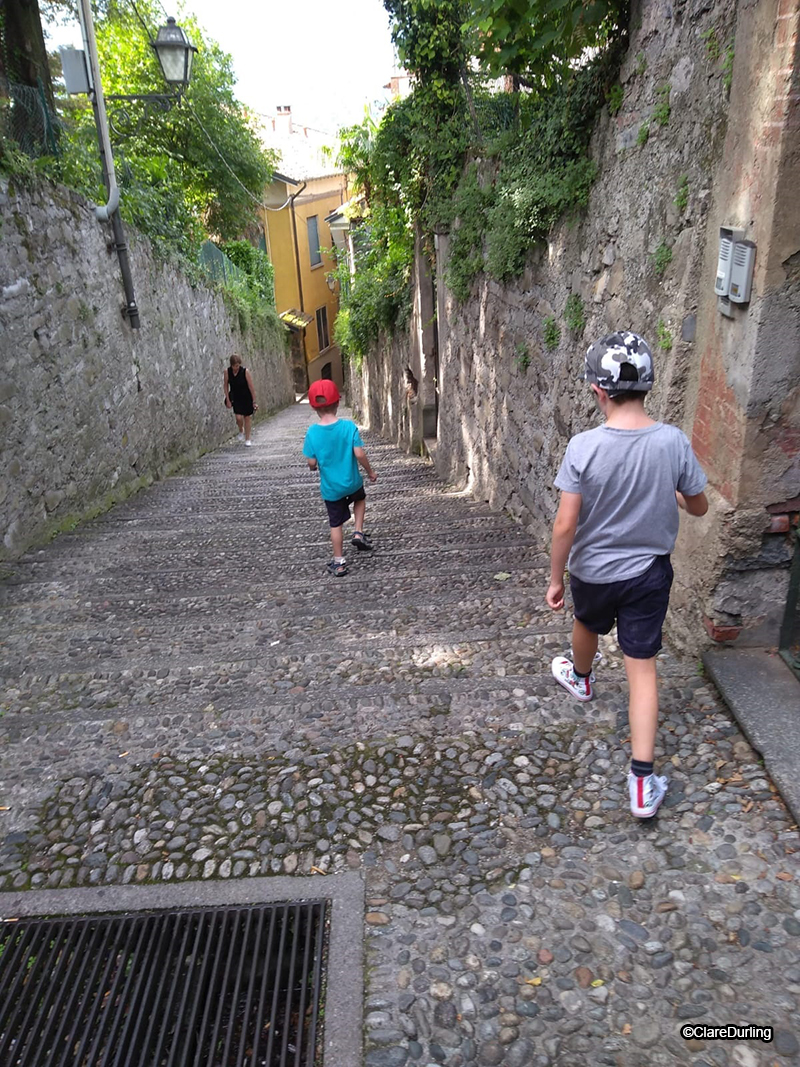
<point x="186" y="695"/>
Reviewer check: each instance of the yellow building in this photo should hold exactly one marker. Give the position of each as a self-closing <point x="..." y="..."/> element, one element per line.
<point x="306" y="189"/>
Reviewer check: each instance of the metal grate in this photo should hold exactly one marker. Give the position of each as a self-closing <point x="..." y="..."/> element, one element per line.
<point x="213" y="987"/>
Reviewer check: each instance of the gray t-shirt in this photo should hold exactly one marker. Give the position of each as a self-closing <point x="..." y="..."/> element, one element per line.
<point x="627" y="481"/>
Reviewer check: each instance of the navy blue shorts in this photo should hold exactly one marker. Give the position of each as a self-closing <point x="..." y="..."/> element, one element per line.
<point x="339" y="510"/>
<point x="637" y="605"/>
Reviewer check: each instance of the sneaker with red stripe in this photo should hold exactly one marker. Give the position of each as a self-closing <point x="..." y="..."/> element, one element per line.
<point x="646" y="794"/>
<point x="564" y="674"/>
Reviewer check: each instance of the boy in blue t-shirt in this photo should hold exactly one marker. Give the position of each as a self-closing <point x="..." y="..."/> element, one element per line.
<point x="334" y="447"/>
<point x="621" y="487"/>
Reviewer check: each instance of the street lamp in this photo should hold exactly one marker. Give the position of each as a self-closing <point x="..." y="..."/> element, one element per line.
<point x="175" y="54"/>
<point x="82" y="74"/>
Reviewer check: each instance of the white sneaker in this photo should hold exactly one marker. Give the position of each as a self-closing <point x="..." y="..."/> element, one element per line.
<point x="646" y="794"/>
<point x="240" y="437"/>
<point x="564" y="674"/>
<point x="248" y="443"/>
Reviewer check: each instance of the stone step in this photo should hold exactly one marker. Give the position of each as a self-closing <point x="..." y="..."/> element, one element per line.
<point x="517" y="594"/>
<point x="37" y="748"/>
<point x="495" y="699"/>
<point x="113" y="691"/>
<point x="184" y="550"/>
<point x="218" y="530"/>
<point x="49" y="650"/>
<point x="390" y="574"/>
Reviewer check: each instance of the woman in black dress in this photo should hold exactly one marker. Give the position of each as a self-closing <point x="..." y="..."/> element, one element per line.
<point x="240" y="395"/>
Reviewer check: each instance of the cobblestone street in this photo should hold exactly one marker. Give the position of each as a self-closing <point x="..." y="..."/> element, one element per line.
<point x="186" y="694"/>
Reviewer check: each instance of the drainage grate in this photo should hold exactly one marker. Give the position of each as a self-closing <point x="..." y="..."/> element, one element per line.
<point x="212" y="987"/>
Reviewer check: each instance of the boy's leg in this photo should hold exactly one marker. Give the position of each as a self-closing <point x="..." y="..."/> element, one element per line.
<point x="570" y="673"/>
<point x="359" y="538"/>
<point x="590" y="601"/>
<point x="337" y="540"/>
<point x="642" y="707"/>
<point x="584" y="646"/>
<point x="646" y="789"/>
<point x="639" y="623"/>
<point x="248" y="419"/>
<point x="240" y="422"/>
<point x="359" y="511"/>
<point x="338" y="514"/>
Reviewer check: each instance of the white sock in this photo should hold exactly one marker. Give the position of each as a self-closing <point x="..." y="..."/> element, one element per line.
<point x="339" y="559"/>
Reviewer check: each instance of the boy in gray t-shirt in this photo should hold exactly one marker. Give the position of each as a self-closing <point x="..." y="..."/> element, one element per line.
<point x="617" y="521"/>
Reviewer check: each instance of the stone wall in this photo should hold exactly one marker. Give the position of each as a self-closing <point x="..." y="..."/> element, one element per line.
<point x="508" y="403"/>
<point x="90" y="409"/>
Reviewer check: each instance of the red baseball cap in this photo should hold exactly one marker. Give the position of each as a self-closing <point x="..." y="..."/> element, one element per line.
<point x="323" y="393"/>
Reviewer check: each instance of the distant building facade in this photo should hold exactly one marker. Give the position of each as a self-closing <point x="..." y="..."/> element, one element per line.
<point x="306" y="188"/>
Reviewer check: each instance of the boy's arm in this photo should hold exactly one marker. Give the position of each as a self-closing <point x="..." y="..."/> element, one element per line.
<point x="308" y="452"/>
<point x="564" y="528"/>
<point x="225" y="387"/>
<point x="693" y="505"/>
<point x="361" y="456"/>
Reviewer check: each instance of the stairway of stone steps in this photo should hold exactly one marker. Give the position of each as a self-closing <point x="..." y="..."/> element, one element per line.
<point x="199" y="616"/>
<point x="187" y="695"/>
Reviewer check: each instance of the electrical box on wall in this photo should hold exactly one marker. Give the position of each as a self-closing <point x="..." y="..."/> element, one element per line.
<point x="727" y="238"/>
<point x="74" y="69"/>
<point x="741" y="279"/>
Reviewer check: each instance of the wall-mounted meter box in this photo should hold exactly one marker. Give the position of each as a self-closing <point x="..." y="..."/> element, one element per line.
<point x="742" y="260"/>
<point x="73" y="66"/>
<point x="727" y="239"/>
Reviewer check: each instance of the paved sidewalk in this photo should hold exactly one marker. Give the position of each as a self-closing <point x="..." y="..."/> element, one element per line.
<point x="186" y="694"/>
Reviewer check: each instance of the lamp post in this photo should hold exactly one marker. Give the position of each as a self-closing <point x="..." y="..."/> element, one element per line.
<point x="175" y="54"/>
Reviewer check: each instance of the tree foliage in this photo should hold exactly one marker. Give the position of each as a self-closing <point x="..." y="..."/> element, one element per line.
<point x="256" y="265"/>
<point x="539" y="39"/>
<point x="195" y="171"/>
<point x="493" y="169"/>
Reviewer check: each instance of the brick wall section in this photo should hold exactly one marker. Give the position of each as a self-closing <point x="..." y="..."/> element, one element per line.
<point x="746" y="427"/>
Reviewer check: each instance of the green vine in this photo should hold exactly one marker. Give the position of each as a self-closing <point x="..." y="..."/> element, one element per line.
<point x="682" y="194"/>
<point x="662" y="110"/>
<point x="552" y="334"/>
<point x="712" y="44"/>
<point x="523" y="354"/>
<point x="727" y="67"/>
<point x="494" y="170"/>
<point x="466" y="250"/>
<point x="663" y="336"/>
<point x="256" y="265"/>
<point x="614" y="99"/>
<point x="662" y="257"/>
<point x="574" y="313"/>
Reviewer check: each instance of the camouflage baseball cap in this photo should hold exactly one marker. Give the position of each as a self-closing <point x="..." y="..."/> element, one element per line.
<point x="605" y="358"/>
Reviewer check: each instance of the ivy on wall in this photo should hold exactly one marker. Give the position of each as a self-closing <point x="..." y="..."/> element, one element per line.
<point x="494" y="169"/>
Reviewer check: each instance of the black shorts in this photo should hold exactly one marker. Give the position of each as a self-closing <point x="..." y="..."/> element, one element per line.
<point x="242" y="407"/>
<point x="637" y="605"/>
<point x="339" y="510"/>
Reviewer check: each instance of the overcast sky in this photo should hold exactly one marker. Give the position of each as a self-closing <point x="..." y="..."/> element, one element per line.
<point x="324" y="59"/>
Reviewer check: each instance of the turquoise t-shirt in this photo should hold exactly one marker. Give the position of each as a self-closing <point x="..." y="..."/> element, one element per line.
<point x="331" y="445"/>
